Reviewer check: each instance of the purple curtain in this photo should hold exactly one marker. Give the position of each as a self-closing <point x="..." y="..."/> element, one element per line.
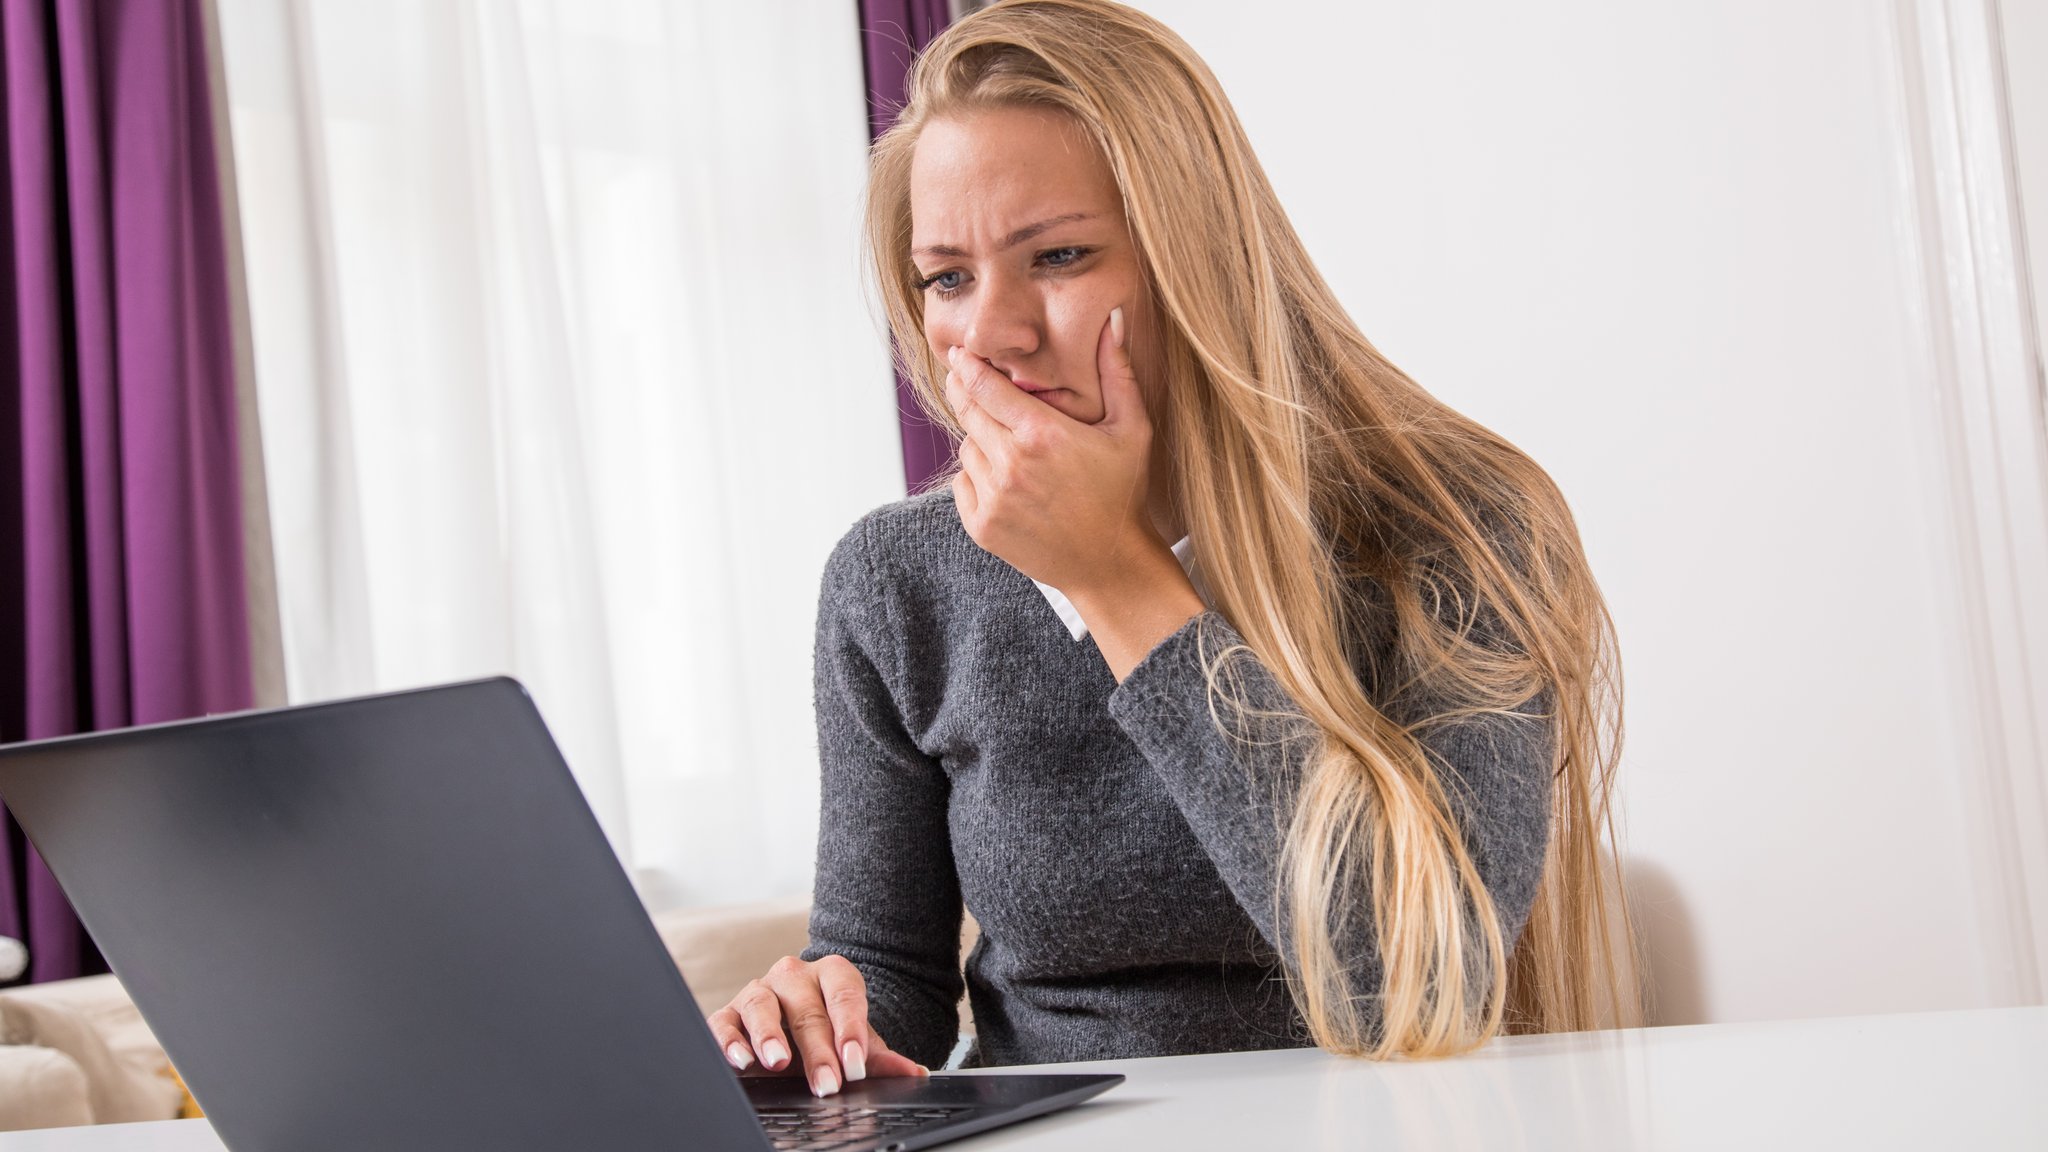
<point x="893" y="32"/>
<point x="121" y="588"/>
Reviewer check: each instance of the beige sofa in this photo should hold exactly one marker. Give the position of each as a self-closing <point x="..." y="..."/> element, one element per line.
<point x="77" y="1052"/>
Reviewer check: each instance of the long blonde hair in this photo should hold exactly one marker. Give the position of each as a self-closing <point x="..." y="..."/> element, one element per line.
<point x="1306" y="465"/>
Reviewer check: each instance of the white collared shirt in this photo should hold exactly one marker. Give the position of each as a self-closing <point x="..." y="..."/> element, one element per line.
<point x="1183" y="552"/>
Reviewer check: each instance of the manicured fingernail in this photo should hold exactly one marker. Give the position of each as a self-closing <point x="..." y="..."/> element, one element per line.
<point x="923" y="1071"/>
<point x="737" y="1053"/>
<point x="856" y="1063"/>
<point x="953" y="355"/>
<point x="774" y="1055"/>
<point x="826" y="1083"/>
<point x="1116" y="325"/>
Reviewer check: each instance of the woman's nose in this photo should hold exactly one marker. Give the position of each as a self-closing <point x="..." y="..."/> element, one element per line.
<point x="1002" y="320"/>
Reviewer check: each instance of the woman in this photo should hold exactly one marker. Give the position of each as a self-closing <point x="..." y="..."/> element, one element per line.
<point x="1341" y="778"/>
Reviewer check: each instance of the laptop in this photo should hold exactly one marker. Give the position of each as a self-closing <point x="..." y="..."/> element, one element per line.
<point x="393" y="923"/>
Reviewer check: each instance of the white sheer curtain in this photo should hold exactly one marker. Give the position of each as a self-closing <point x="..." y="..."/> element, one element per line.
<point x="567" y="371"/>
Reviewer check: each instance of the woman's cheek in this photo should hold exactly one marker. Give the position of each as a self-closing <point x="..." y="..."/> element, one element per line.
<point x="938" y="336"/>
<point x="1078" y="326"/>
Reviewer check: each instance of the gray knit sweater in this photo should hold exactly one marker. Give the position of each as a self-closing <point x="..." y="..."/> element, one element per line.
<point x="1117" y="848"/>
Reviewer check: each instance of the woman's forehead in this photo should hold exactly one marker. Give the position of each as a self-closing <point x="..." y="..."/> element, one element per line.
<point x="981" y="176"/>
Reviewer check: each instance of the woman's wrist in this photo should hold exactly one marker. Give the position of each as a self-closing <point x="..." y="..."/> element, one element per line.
<point x="1133" y="610"/>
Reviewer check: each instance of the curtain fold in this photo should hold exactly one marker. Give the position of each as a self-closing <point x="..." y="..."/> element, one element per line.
<point x="893" y="32"/>
<point x="121" y="567"/>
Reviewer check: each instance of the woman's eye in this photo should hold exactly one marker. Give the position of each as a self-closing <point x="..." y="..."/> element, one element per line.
<point x="945" y="282"/>
<point x="1061" y="257"/>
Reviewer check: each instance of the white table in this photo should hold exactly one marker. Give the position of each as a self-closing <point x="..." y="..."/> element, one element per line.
<point x="1964" y="1080"/>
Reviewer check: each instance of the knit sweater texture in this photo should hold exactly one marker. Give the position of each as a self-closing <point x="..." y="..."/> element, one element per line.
<point x="1117" y="847"/>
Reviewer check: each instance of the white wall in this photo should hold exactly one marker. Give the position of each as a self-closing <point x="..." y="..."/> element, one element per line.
<point x="1655" y="246"/>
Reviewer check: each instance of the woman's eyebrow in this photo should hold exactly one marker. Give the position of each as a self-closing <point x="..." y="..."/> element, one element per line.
<point x="1011" y="241"/>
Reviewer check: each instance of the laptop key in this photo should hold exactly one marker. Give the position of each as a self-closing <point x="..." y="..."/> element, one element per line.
<point x="820" y="1129"/>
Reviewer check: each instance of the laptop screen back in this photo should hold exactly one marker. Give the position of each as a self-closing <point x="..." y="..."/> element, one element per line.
<point x="387" y="923"/>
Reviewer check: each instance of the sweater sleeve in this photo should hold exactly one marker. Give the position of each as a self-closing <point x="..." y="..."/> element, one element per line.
<point x="1236" y="791"/>
<point x="886" y="896"/>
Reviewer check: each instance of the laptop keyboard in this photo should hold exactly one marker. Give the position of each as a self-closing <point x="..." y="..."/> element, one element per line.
<point x="829" y="1126"/>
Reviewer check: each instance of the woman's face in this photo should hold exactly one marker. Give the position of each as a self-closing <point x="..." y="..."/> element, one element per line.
<point x="1020" y="242"/>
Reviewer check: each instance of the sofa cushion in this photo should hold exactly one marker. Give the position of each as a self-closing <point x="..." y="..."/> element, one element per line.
<point x="98" y="1029"/>
<point x="720" y="949"/>
<point x="102" y="1002"/>
<point x="41" y="1088"/>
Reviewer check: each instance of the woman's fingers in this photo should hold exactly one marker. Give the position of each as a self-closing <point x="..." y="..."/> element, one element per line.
<point x="979" y="386"/>
<point x="975" y="475"/>
<point x="964" y="495"/>
<point x="977" y="423"/>
<point x="810" y="1025"/>
<point x="725" y="1030"/>
<point x="760" y="1012"/>
<point x="974" y="419"/>
<point x="970" y="485"/>
<point x="846" y="1002"/>
<point x="886" y="1061"/>
<point x="811" y="1017"/>
<point x="974" y="462"/>
<point x="1122" y="399"/>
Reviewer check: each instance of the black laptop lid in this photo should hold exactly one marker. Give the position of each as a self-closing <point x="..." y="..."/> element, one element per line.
<point x="387" y="923"/>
